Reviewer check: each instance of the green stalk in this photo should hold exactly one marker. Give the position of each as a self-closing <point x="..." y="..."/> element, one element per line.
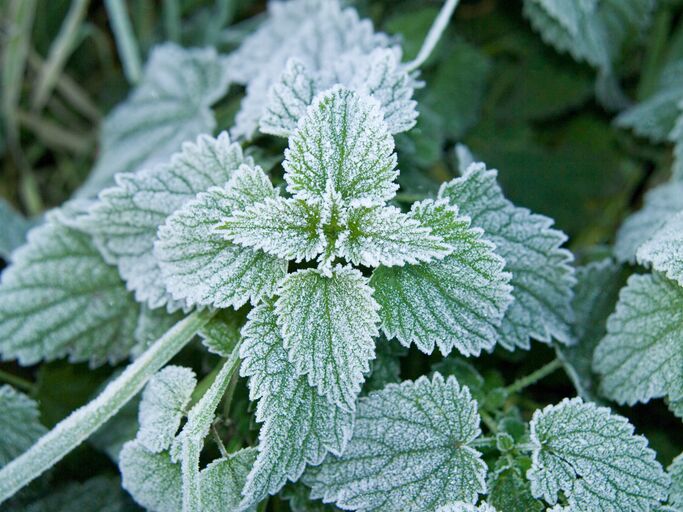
<point x="172" y="20"/>
<point x="434" y="34"/>
<point x="533" y="377"/>
<point x="125" y="40"/>
<point x="83" y="422"/>
<point x="17" y="382"/>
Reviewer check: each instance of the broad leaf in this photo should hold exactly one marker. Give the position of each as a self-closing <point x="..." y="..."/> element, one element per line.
<point x="299" y="425"/>
<point x="19" y="424"/>
<point x="199" y="266"/>
<point x="223" y="479"/>
<point x="125" y="221"/>
<point x="510" y="491"/>
<point x="642" y="355"/>
<point x="328" y="324"/>
<point x="466" y="507"/>
<point x="169" y="107"/>
<point x="664" y="250"/>
<point x="49" y="309"/>
<point x="456" y="302"/>
<point x="675" y="471"/>
<point x="342" y="142"/>
<point x="410" y="450"/>
<point x="222" y="333"/>
<point x="542" y="277"/>
<point x="594" y="459"/>
<point x="152" y="325"/>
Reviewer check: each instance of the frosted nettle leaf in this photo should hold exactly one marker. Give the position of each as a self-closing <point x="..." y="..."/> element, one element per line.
<point x="299" y="425"/>
<point x="327" y="324"/>
<point x="675" y="471"/>
<point x="660" y="204"/>
<point x="344" y="142"/>
<point x="594" y="459"/>
<point x="125" y="221"/>
<point x="60" y="298"/>
<point x="664" y="250"/>
<point x="466" y="507"/>
<point x="642" y="355"/>
<point x="19" y="424"/>
<point x="118" y="430"/>
<point x="676" y="406"/>
<point x="286" y="228"/>
<point x="383" y="235"/>
<point x="199" y="266"/>
<point x="98" y="494"/>
<point x="152" y="325"/>
<point x="222" y="333"/>
<point x="223" y="479"/>
<point x="510" y="491"/>
<point x="410" y="451"/>
<point x="164" y="403"/>
<point x="542" y="275"/>
<point x="152" y="479"/>
<point x="169" y="107"/>
<point x="14" y="229"/>
<point x="456" y="302"/>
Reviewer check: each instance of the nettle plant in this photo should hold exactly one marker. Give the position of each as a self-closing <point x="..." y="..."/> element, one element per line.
<point x="312" y="283"/>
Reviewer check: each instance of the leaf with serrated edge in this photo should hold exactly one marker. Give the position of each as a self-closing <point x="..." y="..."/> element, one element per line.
<point x="124" y="222"/>
<point x="456" y="302"/>
<point x="222" y="333"/>
<point x="327" y="323"/>
<point x="223" y="479"/>
<point x="410" y="450"/>
<point x="542" y="275"/>
<point x="664" y="250"/>
<point x="199" y="266"/>
<point x="164" y="403"/>
<point x="675" y="471"/>
<point x="299" y="425"/>
<point x="641" y="357"/>
<point x="466" y="507"/>
<point x="19" y="423"/>
<point x="594" y="458"/>
<point x="60" y="298"/>
<point x="169" y="107"/>
<point x="342" y="142"/>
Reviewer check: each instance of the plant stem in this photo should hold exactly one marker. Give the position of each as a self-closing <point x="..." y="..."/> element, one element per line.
<point x="533" y="377"/>
<point x="655" y="53"/>
<point x="125" y="40"/>
<point x="17" y="382"/>
<point x="83" y="422"/>
<point x="433" y="35"/>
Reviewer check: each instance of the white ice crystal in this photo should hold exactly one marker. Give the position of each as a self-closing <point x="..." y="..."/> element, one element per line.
<point x="19" y="423"/>
<point x="664" y="250"/>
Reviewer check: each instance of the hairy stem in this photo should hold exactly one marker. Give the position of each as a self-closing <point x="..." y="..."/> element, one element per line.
<point x="533" y="377"/>
<point x="83" y="422"/>
<point x="433" y="35"/>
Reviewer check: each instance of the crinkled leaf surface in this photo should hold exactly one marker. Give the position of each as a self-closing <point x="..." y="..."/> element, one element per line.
<point x="456" y="302"/>
<point x="199" y="266"/>
<point x="467" y="507"/>
<point x="642" y="355"/>
<point x="410" y="450"/>
<point x="510" y="491"/>
<point x="542" y="277"/>
<point x="593" y="457"/>
<point x="328" y="323"/>
<point x="222" y="333"/>
<point x="125" y="220"/>
<point x="169" y="107"/>
<point x="223" y="479"/>
<point x="164" y="403"/>
<point x="664" y="250"/>
<point x="675" y="471"/>
<point x="299" y="426"/>
<point x="60" y="298"/>
<point x="152" y="325"/>
<point x="19" y="423"/>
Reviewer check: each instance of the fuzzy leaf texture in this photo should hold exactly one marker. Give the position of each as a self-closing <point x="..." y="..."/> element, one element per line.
<point x="299" y="426"/>
<point x="223" y="479"/>
<point x="49" y="310"/>
<point x="675" y="471"/>
<point x="593" y="457"/>
<point x="641" y="357"/>
<point x="664" y="250"/>
<point x="328" y="324"/>
<point x="341" y="143"/>
<point x="466" y="507"/>
<point x="124" y="222"/>
<point x="199" y="266"/>
<point x="410" y="450"/>
<point x="542" y="275"/>
<point x="19" y="423"/>
<point x="456" y="302"/>
<point x="171" y="105"/>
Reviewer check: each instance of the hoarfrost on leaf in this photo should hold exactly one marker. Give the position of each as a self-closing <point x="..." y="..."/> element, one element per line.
<point x="19" y="423"/>
<point x="675" y="471"/>
<point x="223" y="479"/>
<point x="466" y="507"/>
<point x="542" y="275"/>
<point x="410" y="450"/>
<point x="664" y="250"/>
<point x="456" y="302"/>
<point x="299" y="425"/>
<point x="222" y="333"/>
<point x="594" y="458"/>
<point x="328" y="323"/>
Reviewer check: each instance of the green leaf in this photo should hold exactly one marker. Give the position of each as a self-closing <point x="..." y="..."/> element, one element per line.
<point x="98" y="494"/>
<point x="124" y="222"/>
<point x="641" y="357"/>
<point x="19" y="423"/>
<point x="221" y="335"/>
<point x="60" y="298"/>
<point x="223" y="479"/>
<point x="299" y="425"/>
<point x="593" y="457"/>
<point x="327" y="323"/>
<point x="542" y="277"/>
<point x="410" y="450"/>
<point x="342" y="143"/>
<point x="14" y="229"/>
<point x="152" y="325"/>
<point x="509" y="491"/>
<point x="456" y="302"/>
<point x="199" y="266"/>
<point x="664" y="250"/>
<point x="466" y="507"/>
<point x="675" y="471"/>
<point x="169" y="107"/>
